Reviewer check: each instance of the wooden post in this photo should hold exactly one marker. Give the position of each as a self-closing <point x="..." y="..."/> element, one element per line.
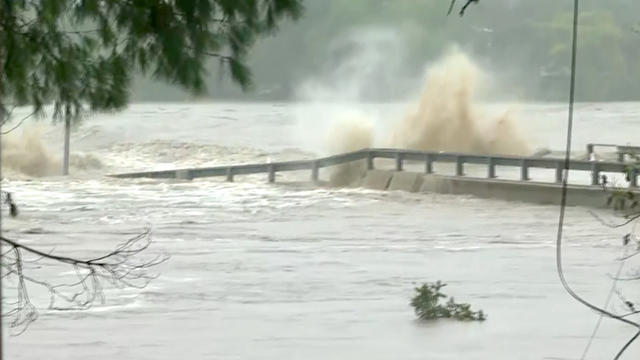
<point x="428" y="166"/>
<point x="67" y="136"/>
<point x="595" y="174"/>
<point x="491" y="168"/>
<point x="524" y="170"/>
<point x="272" y="174"/>
<point x="230" y="174"/>
<point x="398" y="161"/>
<point x="314" y="172"/>
<point x="369" y="161"/>
<point x="459" y="166"/>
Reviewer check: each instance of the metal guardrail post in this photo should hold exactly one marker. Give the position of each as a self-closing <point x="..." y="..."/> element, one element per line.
<point x="428" y="167"/>
<point x="589" y="150"/>
<point x="491" y="168"/>
<point x="524" y="170"/>
<point x="272" y="174"/>
<point x="370" y="161"/>
<point x="230" y="174"/>
<point x="633" y="177"/>
<point x="459" y="166"/>
<point x="595" y="174"/>
<point x="559" y="171"/>
<point x="314" y="171"/>
<point x="398" y="161"/>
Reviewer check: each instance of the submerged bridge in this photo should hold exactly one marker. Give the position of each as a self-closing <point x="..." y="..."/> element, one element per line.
<point x="523" y="163"/>
<point x="413" y="170"/>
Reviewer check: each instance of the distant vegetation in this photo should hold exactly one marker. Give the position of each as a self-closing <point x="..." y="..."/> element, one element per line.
<point x="427" y="306"/>
<point x="524" y="43"/>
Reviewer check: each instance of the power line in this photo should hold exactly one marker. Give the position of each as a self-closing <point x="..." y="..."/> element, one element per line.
<point x="563" y="199"/>
<point x="606" y="305"/>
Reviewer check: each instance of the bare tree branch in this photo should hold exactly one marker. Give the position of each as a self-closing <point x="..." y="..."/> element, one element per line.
<point x="464" y="8"/>
<point x="18" y="124"/>
<point x="629" y="219"/>
<point x="124" y="267"/>
<point x="453" y="2"/>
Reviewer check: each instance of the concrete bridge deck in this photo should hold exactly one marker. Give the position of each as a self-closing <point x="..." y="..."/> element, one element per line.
<point x="490" y="186"/>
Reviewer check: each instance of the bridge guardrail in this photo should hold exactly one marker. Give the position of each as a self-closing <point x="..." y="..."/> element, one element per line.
<point x="400" y="155"/>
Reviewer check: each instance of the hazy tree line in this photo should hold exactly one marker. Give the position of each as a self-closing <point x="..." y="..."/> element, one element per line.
<point x="525" y="44"/>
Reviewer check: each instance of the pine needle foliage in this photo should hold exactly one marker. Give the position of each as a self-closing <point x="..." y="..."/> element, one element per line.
<point x="79" y="54"/>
